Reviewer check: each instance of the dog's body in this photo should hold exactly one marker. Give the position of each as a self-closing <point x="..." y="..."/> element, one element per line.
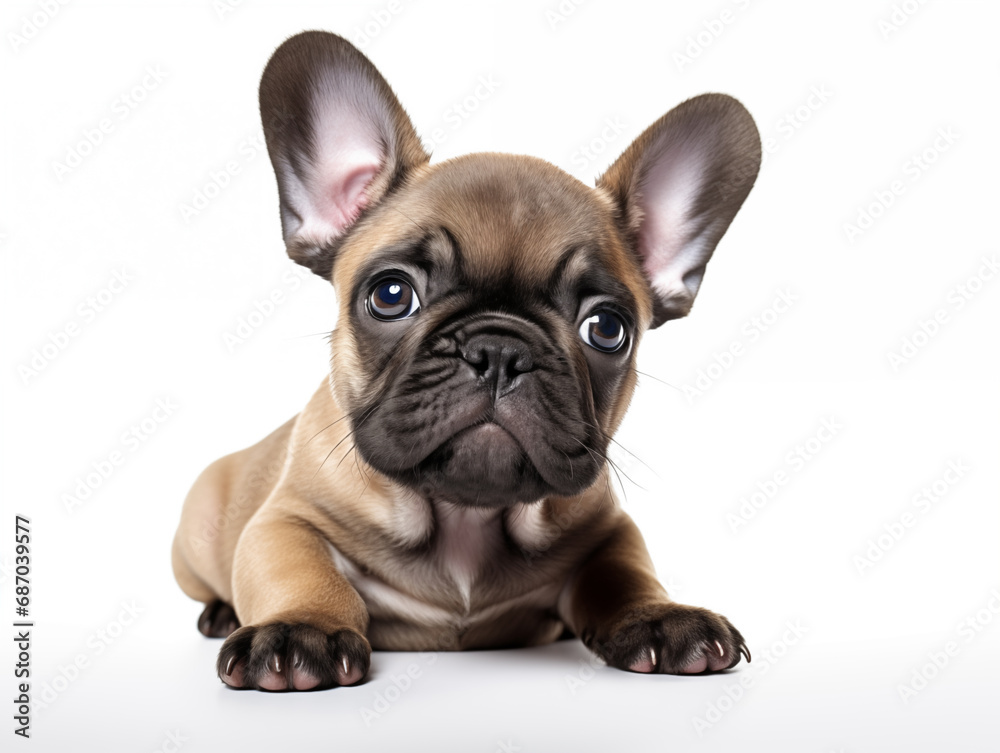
<point x="447" y="487"/>
<point x="432" y="575"/>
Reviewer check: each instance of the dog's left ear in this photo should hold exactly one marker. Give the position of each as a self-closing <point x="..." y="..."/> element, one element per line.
<point x="338" y="139"/>
<point x="677" y="187"/>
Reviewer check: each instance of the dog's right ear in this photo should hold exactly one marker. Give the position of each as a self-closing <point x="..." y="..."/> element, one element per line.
<point x="338" y="139"/>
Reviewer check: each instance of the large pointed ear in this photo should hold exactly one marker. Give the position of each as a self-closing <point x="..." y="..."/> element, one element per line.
<point x="677" y="187"/>
<point x="338" y="138"/>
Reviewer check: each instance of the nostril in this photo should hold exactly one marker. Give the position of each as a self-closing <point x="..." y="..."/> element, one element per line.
<point x="479" y="360"/>
<point x="498" y="361"/>
<point x="513" y="369"/>
<point x="519" y="362"/>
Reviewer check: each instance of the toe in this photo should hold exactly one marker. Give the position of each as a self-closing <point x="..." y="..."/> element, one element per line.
<point x="718" y="657"/>
<point x="695" y="667"/>
<point x="272" y="681"/>
<point x="273" y="675"/>
<point x="233" y="677"/>
<point x="348" y="673"/>
<point x="301" y="678"/>
<point x="645" y="663"/>
<point x="351" y="656"/>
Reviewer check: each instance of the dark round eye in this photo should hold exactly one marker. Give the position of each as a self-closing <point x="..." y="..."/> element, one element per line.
<point x="604" y="331"/>
<point x="393" y="299"/>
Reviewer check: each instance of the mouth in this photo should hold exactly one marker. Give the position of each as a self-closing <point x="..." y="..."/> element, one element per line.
<point x="483" y="465"/>
<point x="488" y="437"/>
<point x="481" y="455"/>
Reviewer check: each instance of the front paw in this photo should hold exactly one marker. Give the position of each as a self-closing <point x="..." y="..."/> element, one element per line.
<point x="279" y="656"/>
<point x="671" y="639"/>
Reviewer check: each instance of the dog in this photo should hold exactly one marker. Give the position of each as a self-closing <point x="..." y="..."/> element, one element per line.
<point x="447" y="485"/>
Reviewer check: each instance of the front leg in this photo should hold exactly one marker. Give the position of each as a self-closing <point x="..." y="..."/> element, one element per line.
<point x="618" y="608"/>
<point x="303" y="623"/>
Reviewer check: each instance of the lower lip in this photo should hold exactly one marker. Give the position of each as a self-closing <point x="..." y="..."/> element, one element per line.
<point x="490" y="432"/>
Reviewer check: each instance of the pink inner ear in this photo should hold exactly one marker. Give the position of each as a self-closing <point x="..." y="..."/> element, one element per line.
<point x="350" y="151"/>
<point x="346" y="197"/>
<point x="668" y="251"/>
<point x="334" y="195"/>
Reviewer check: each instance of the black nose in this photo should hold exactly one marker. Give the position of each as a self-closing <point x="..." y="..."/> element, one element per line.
<point x="498" y="359"/>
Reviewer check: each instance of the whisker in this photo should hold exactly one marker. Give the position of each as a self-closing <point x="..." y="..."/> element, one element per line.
<point x="668" y="384"/>
<point x="368" y="476"/>
<point x="310" y="334"/>
<point x="569" y="463"/>
<point x="353" y="445"/>
<point x="348" y="434"/>
<point x="620" y="483"/>
<point x="408" y="217"/>
<point x="608" y="438"/>
<point x="614" y="466"/>
<point x="612" y="439"/>
<point x="327" y="427"/>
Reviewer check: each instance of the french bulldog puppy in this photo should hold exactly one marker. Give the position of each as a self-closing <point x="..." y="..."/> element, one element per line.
<point x="447" y="485"/>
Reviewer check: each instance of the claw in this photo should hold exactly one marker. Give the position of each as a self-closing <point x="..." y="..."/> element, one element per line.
<point x="229" y="666"/>
<point x="722" y="651"/>
<point x="745" y="651"/>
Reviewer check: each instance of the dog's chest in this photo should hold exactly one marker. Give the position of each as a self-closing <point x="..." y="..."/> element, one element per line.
<point x="468" y="579"/>
<point x="466" y="540"/>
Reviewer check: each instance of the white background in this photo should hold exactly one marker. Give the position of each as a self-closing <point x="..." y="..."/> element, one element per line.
<point x="561" y="74"/>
